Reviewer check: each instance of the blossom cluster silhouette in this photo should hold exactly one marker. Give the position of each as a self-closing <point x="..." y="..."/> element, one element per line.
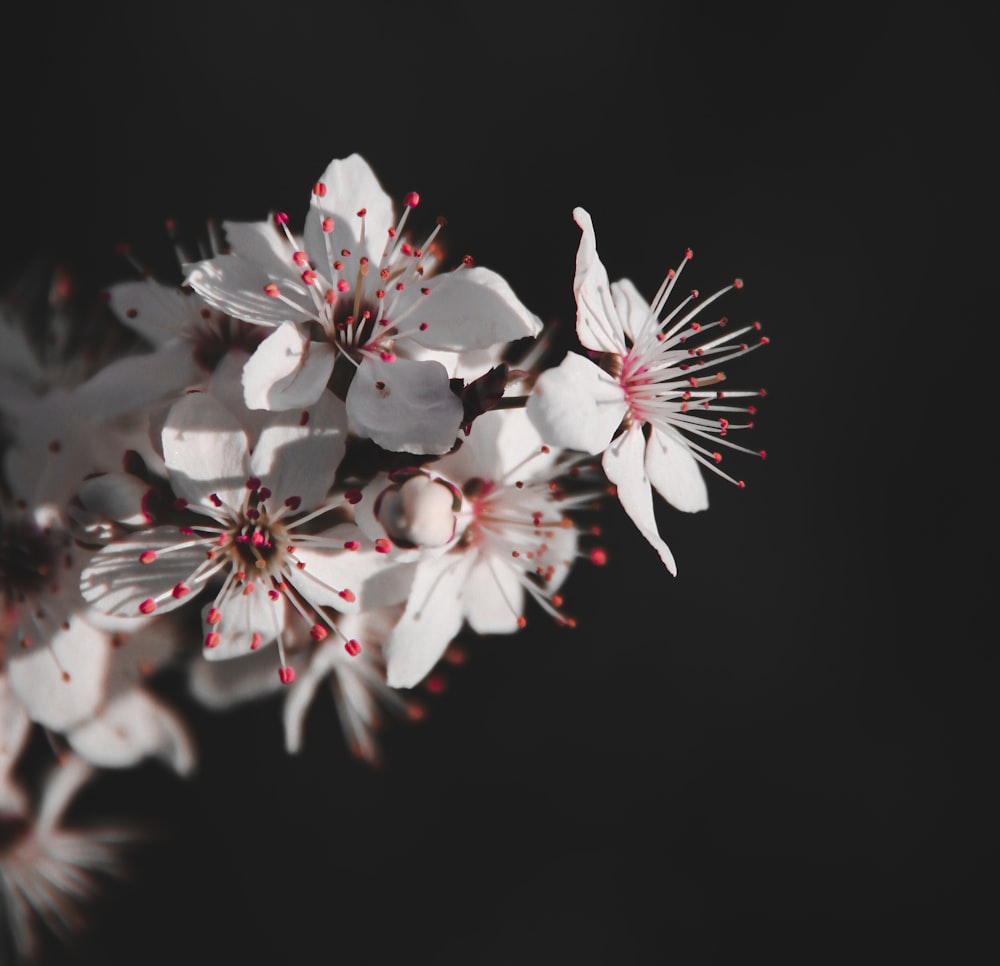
<point x="326" y="456"/>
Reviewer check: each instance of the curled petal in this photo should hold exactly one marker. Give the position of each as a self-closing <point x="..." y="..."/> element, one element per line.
<point x="287" y="371"/>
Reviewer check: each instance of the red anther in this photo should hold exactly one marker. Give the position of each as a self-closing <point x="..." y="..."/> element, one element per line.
<point x="286" y="674"/>
<point x="351" y="544"/>
<point x="338" y="264"/>
<point x="212" y="639"/>
<point x="382" y="545"/>
<point x="252" y="483"/>
<point x="327" y="225"/>
<point x="694" y="293"/>
<point x="688" y="254"/>
<point x="686" y="394"/>
<point x="304" y="417"/>
<point x="400" y="286"/>
<point x="293" y="502"/>
<point x="406" y="248"/>
<point x="737" y="283"/>
<point x="762" y="393"/>
<point x="717" y="457"/>
<point x="423" y="326"/>
<point x="330" y="296"/>
<point x="515" y="553"/>
<point x="301" y="259"/>
<point x="147" y="556"/>
<point x="723" y="423"/>
<point x="387" y="356"/>
<point x="280" y="218"/>
<point x="319" y="189"/>
<point x="342" y="285"/>
<point x="180" y="589"/>
<point x="434" y="683"/>
<point x="557" y="600"/>
<point x="741" y="484"/>
<point x="264" y="493"/>
<point x="763" y="454"/>
<point x="442" y="221"/>
<point x="756" y="326"/>
<point x="598" y="556"/>
<point x="214" y="616"/>
<point x="348" y="595"/>
<point x="671" y="273"/>
<point x="131" y="313"/>
<point x="467" y="260"/>
<point x="764" y="340"/>
<point x="752" y="410"/>
<point x="214" y="497"/>
<point x="273" y="594"/>
<point x="256" y="640"/>
<point x="522" y="621"/>
<point x="353" y="496"/>
<point x="352" y="647"/>
<point x="317" y="632"/>
<point x="272" y="290"/>
<point x="392" y="232"/>
<point x="425" y="291"/>
<point x="309" y="276"/>
<point x="345" y="252"/>
<point x="696" y="327"/>
<point x="65" y="676"/>
<point x="362" y="212"/>
<point x="380" y="293"/>
<point x="412" y="200"/>
<point x="148" y="605"/>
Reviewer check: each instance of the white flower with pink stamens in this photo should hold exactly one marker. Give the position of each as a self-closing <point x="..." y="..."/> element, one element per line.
<point x="347" y="299"/>
<point x="252" y="506"/>
<point x="512" y="541"/>
<point x="644" y="402"/>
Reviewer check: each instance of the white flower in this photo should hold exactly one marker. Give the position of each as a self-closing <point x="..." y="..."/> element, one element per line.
<point x="250" y="502"/>
<point x="644" y="402"/>
<point x="512" y="542"/>
<point x="50" y="871"/>
<point x="353" y="293"/>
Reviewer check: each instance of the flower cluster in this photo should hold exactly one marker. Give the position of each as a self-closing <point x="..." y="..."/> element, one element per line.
<point x="324" y="456"/>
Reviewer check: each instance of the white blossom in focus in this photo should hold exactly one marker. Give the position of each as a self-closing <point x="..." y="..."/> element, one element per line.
<point x="643" y="395"/>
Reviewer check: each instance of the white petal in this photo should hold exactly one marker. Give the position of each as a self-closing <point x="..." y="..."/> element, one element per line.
<point x="674" y="472"/>
<point x="350" y="186"/>
<point x="301" y="694"/>
<point x="220" y="685"/>
<point x="236" y="285"/>
<point x="469" y="308"/>
<point x="633" y="310"/>
<point x="138" y="380"/>
<point x="432" y="618"/>
<point x="493" y="597"/>
<point x="133" y="727"/>
<point x="205" y="450"/>
<point x="62" y="783"/>
<point x="116" y="496"/>
<point x="264" y="244"/>
<point x="287" y="371"/>
<point x="116" y="582"/>
<point x="297" y="453"/>
<point x="14" y="728"/>
<point x="597" y="323"/>
<point x="245" y="614"/>
<point x="64" y="681"/>
<point x="577" y="405"/>
<point x="156" y="311"/>
<point x="404" y="406"/>
<point x="623" y="464"/>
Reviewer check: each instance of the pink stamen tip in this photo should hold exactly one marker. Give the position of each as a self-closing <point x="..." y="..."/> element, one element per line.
<point x="382" y="545"/>
<point x="762" y="393"/>
<point x="737" y="283"/>
<point x="256" y="641"/>
<point x="293" y="502"/>
<point x="353" y="496"/>
<point x="423" y="326"/>
<point x="272" y="290"/>
<point x="317" y="632"/>
<point x="309" y="276"/>
<point x="147" y="556"/>
<point x="763" y="454"/>
<point x="467" y="260"/>
<point x="280" y="218"/>
<point x="327" y="225"/>
<point x="412" y="200"/>
<point x="253" y="483"/>
<point x="362" y="212"/>
<point x="180" y="589"/>
<point x="717" y="457"/>
<point x="689" y="254"/>
<point x="301" y="259"/>
<point x="741" y="484"/>
<point x="764" y="340"/>
<point x="319" y="189"/>
<point x="694" y="293"/>
<point x="273" y="594"/>
<point x="264" y="493"/>
<point x="212" y="639"/>
<point x="386" y="356"/>
<point x="352" y="647"/>
<point x="148" y="605"/>
<point x="348" y="595"/>
<point x="286" y="675"/>
<point x="214" y="616"/>
<point x="522" y="621"/>
<point x="351" y="545"/>
<point x="342" y="285"/>
<point x="598" y="556"/>
<point x="214" y="497"/>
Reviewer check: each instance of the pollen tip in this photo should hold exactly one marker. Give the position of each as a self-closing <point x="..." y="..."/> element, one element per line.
<point x="352" y="647"/>
<point x="148" y="605"/>
<point x="286" y="674"/>
<point x="317" y="632"/>
<point x="737" y="283"/>
<point x="412" y="200"/>
<point x="212" y="639"/>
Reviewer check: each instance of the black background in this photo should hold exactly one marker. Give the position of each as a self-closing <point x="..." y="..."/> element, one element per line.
<point x="786" y="751"/>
